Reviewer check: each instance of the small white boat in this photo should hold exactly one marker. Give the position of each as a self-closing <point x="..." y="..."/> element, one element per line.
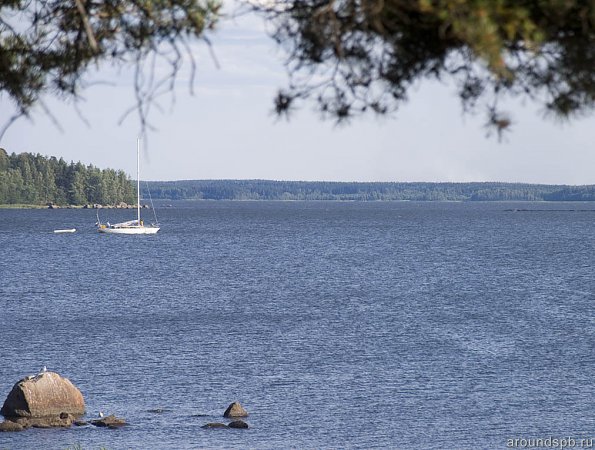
<point x="132" y="226"/>
<point x="68" y="230"/>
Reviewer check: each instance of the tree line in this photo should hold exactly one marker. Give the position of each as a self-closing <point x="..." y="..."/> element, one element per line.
<point x="26" y="178"/>
<point x="31" y="179"/>
<point x="358" y="191"/>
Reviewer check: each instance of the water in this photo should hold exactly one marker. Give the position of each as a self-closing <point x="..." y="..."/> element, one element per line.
<point x="336" y="325"/>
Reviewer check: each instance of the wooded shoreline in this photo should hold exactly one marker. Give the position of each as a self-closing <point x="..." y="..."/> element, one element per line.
<point x="36" y="181"/>
<point x="365" y="191"/>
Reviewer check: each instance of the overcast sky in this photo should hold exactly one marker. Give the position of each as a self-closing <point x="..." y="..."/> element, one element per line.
<point x="227" y="130"/>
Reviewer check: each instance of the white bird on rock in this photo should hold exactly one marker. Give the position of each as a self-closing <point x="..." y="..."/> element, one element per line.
<point x="40" y="374"/>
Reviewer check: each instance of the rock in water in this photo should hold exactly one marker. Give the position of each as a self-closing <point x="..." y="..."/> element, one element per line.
<point x="214" y="425"/>
<point x="238" y="424"/>
<point x="110" y="421"/>
<point x="235" y="410"/>
<point x="10" y="426"/>
<point x="47" y="394"/>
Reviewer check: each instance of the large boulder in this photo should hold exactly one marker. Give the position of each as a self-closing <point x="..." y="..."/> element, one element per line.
<point x="235" y="410"/>
<point x="47" y="394"/>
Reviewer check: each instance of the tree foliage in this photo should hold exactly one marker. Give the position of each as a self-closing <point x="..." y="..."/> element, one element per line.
<point x="36" y="180"/>
<point x="354" y="56"/>
<point x="46" y="46"/>
<point x="350" y="56"/>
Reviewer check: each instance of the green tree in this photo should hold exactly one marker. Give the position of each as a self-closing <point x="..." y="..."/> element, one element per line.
<point x="26" y="166"/>
<point x="127" y="191"/>
<point x="11" y="186"/>
<point x="4" y="161"/>
<point x="93" y="190"/>
<point x="35" y="179"/>
<point x="45" y="180"/>
<point x="60" y="169"/>
<point x="77" y="189"/>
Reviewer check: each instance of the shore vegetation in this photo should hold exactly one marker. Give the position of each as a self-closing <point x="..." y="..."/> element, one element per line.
<point x="36" y="180"/>
<point x="365" y="191"/>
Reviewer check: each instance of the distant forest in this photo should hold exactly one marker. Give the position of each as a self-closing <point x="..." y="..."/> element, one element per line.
<point x="322" y="190"/>
<point x="37" y="180"/>
<point x="31" y="179"/>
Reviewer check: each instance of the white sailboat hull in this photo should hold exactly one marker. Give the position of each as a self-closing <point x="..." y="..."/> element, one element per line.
<point x="132" y="226"/>
<point x="129" y="230"/>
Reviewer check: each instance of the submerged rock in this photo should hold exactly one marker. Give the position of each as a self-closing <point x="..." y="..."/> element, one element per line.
<point x="214" y="425"/>
<point x="46" y="395"/>
<point x="238" y="424"/>
<point x="235" y="424"/>
<point x="159" y="410"/>
<point x="235" y="410"/>
<point x="110" y="421"/>
<point x="9" y="425"/>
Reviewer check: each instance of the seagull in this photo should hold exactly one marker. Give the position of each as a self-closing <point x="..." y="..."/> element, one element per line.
<point x="41" y="373"/>
<point x="101" y="414"/>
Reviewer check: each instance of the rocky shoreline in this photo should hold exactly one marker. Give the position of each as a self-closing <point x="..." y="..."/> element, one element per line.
<point x="121" y="205"/>
<point x="48" y="400"/>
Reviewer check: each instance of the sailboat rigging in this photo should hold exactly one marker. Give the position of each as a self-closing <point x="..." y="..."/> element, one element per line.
<point x="132" y="226"/>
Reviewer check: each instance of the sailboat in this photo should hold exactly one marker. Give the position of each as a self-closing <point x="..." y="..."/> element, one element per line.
<point x="136" y="226"/>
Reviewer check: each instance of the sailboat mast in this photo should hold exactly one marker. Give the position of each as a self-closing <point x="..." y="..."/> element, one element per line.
<point x="138" y="180"/>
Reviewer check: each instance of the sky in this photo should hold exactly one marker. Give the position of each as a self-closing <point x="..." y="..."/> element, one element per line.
<point x="226" y="129"/>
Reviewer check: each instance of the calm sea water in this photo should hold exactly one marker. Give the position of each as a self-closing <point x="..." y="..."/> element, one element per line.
<point x="336" y="325"/>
